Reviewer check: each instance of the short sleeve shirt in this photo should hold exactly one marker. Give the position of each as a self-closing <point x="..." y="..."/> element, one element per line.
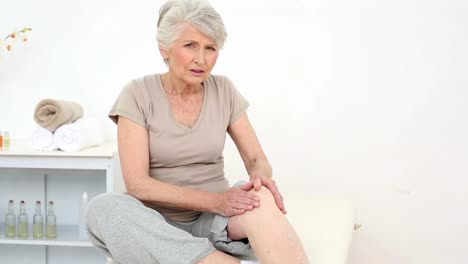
<point x="185" y="156"/>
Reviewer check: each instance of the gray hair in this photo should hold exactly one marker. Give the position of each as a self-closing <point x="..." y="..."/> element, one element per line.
<point x="199" y="13"/>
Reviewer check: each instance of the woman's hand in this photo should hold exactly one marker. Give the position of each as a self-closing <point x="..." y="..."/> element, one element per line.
<point x="236" y="201"/>
<point x="258" y="181"/>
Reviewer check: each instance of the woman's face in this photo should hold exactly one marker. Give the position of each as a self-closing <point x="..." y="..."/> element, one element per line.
<point x="192" y="56"/>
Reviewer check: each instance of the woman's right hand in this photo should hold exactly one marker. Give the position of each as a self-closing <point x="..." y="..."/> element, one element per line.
<point x="236" y="201"/>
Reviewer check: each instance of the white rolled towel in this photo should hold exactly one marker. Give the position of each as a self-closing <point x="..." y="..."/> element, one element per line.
<point x="84" y="132"/>
<point x="43" y="139"/>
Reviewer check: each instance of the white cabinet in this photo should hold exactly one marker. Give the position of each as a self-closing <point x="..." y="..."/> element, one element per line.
<point x="61" y="177"/>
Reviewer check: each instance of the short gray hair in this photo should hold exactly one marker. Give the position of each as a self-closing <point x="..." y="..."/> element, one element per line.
<point x="199" y="13"/>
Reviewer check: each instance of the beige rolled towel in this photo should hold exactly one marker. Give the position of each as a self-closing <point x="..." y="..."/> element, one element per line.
<point x="51" y="114"/>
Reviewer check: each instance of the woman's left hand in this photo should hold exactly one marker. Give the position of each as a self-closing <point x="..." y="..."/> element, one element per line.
<point x="258" y="181"/>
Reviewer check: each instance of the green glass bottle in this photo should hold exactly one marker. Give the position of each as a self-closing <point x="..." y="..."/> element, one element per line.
<point x="51" y="221"/>
<point x="6" y="140"/>
<point x="10" y="221"/>
<point x="23" y="222"/>
<point x="38" y="222"/>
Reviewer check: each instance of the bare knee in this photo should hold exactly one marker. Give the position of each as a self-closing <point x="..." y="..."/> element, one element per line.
<point x="239" y="225"/>
<point x="267" y="203"/>
<point x="265" y="195"/>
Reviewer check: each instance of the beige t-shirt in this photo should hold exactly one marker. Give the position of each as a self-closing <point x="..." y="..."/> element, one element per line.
<point x="180" y="155"/>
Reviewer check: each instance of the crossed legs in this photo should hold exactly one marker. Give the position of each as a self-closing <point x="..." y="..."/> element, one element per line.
<point x="271" y="236"/>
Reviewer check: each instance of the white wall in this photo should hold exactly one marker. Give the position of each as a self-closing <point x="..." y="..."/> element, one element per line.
<point x="361" y="99"/>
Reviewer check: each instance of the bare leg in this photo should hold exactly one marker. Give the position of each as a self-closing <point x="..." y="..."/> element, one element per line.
<point x="219" y="257"/>
<point x="271" y="236"/>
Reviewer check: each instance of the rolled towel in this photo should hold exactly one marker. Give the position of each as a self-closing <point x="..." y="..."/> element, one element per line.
<point x="51" y="114"/>
<point x="84" y="132"/>
<point x="43" y="139"/>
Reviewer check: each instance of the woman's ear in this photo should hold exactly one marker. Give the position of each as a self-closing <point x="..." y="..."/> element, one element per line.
<point x="163" y="53"/>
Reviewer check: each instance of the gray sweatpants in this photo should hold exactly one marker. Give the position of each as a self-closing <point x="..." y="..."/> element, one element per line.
<point x="131" y="233"/>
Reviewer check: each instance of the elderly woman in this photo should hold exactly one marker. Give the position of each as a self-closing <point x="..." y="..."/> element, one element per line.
<point x="171" y="134"/>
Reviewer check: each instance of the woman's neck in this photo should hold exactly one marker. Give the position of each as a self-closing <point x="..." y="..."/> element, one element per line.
<point x="175" y="87"/>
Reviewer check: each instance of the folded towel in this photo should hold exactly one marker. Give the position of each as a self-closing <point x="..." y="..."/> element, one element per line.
<point x="84" y="132"/>
<point x="43" y="139"/>
<point x="51" y="114"/>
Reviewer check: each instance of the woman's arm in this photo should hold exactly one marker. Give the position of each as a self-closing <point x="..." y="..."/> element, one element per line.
<point x="255" y="160"/>
<point x="134" y="158"/>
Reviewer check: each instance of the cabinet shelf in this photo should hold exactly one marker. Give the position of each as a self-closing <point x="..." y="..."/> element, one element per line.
<point x="67" y="235"/>
<point x="61" y="177"/>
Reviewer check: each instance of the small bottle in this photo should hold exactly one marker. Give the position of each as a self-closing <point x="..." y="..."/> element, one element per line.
<point x="22" y="222"/>
<point x="38" y="222"/>
<point x="6" y="140"/>
<point x="10" y="221"/>
<point x="51" y="221"/>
